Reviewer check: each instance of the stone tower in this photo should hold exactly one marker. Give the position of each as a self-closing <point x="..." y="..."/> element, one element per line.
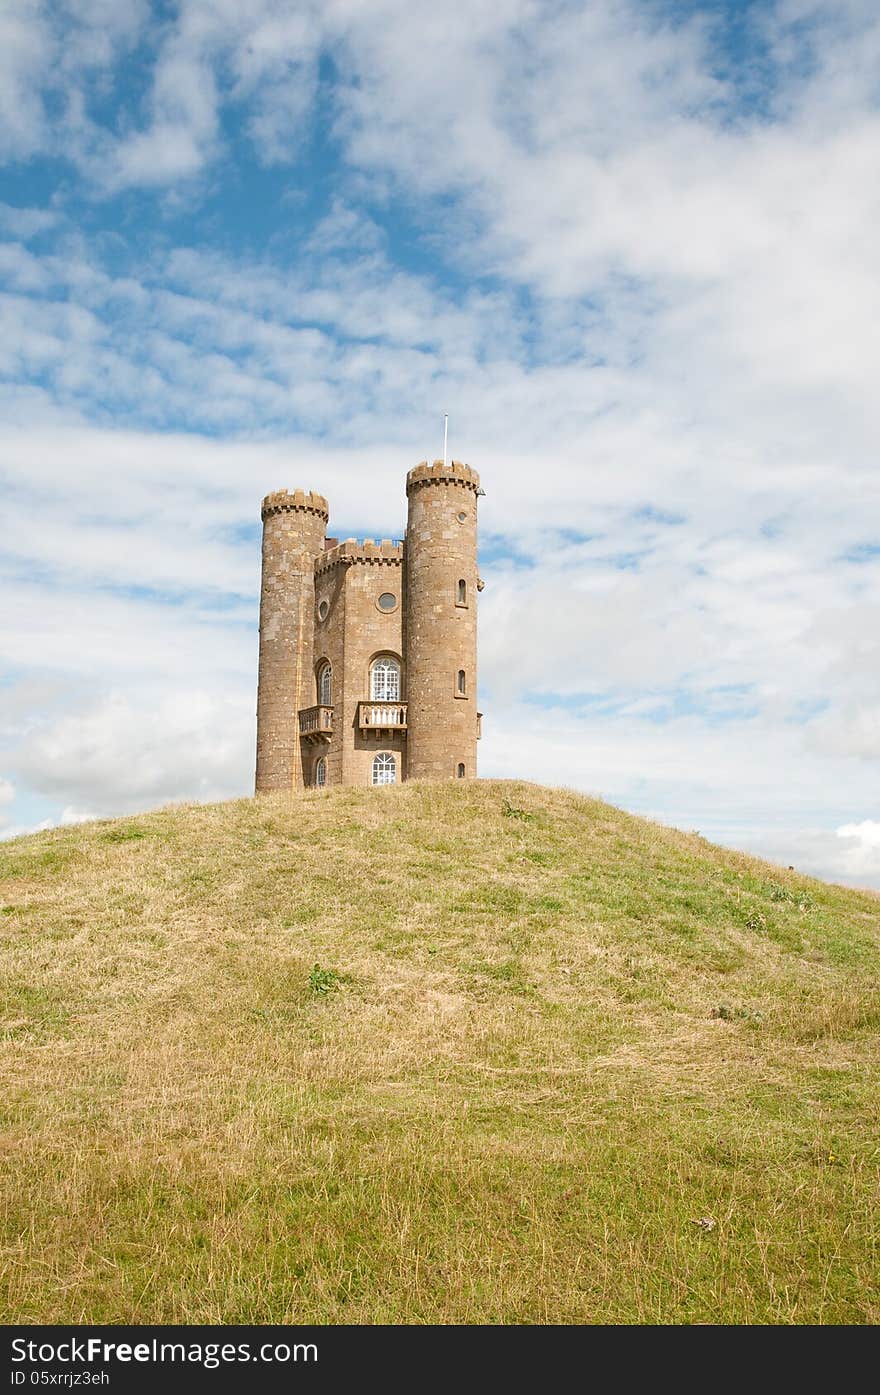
<point x="368" y="651"/>
<point x="441" y="623"/>
<point x="293" y="534"/>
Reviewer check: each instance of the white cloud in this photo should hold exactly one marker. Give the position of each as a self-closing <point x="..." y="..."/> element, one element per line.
<point x="117" y="754"/>
<point x="744" y="783"/>
<point x="851" y="730"/>
<point x="868" y="832"/>
<point x="168" y="151"/>
<point x="25" y="52"/>
<point x="26" y="222"/>
<point x="60" y="55"/>
<point x="816" y="851"/>
<point x="7" y="797"/>
<point x="21" y="830"/>
<point x="73" y="815"/>
<point x="850" y="855"/>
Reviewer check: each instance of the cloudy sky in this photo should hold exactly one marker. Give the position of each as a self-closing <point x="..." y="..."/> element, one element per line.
<point x="630" y="246"/>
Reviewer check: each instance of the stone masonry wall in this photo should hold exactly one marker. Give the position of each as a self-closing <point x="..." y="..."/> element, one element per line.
<point x="370" y="632"/>
<point x="350" y="578"/>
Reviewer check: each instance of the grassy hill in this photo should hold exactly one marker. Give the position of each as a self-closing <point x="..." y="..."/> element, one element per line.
<point x="461" y="1053"/>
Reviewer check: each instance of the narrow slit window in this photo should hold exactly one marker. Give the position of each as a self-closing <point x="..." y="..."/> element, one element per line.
<point x="462" y="592"/>
<point x="461" y="770"/>
<point x="462" y="683"/>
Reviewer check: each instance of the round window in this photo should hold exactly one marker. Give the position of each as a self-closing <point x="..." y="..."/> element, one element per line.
<point x="323" y="609"/>
<point x="387" y="601"/>
<point x="461" y="517"/>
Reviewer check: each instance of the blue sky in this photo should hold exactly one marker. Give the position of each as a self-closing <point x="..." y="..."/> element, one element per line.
<point x="630" y="247"/>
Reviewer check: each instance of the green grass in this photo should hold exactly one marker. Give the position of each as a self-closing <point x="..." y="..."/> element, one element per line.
<point x="456" y="1053"/>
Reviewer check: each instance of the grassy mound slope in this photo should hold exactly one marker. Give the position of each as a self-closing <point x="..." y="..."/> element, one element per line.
<point x="460" y="1053"/>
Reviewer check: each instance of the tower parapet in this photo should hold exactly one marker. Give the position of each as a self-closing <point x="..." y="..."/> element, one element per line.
<point x="442" y="472"/>
<point x="351" y="551"/>
<point x="285" y="501"/>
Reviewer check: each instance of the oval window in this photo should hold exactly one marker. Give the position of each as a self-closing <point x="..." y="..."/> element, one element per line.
<point x="323" y="609"/>
<point x="462" y="517"/>
<point x="387" y="601"/>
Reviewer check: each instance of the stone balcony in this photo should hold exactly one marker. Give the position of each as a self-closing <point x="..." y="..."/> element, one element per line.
<point x="381" y="716"/>
<point x="316" y="723"/>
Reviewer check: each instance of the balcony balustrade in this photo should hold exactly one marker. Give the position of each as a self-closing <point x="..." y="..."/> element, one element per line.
<point x="316" y="723"/>
<point x="381" y="716"/>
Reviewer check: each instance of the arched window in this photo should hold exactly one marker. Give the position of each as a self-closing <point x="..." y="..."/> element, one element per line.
<point x="462" y="593"/>
<point x="384" y="769"/>
<point x="462" y="683"/>
<point x="385" y="680"/>
<point x="461" y="770"/>
<point x="320" y="773"/>
<point x="325" y="686"/>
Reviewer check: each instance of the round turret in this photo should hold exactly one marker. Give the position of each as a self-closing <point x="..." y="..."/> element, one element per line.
<point x="441" y="620"/>
<point x="293" y="536"/>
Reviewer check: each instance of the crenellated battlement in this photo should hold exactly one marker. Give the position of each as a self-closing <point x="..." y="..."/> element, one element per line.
<point x="351" y="551"/>
<point x="285" y="501"/>
<point x="451" y="472"/>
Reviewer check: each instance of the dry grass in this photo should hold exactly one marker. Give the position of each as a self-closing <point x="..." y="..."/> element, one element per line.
<point x="553" y="1039"/>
